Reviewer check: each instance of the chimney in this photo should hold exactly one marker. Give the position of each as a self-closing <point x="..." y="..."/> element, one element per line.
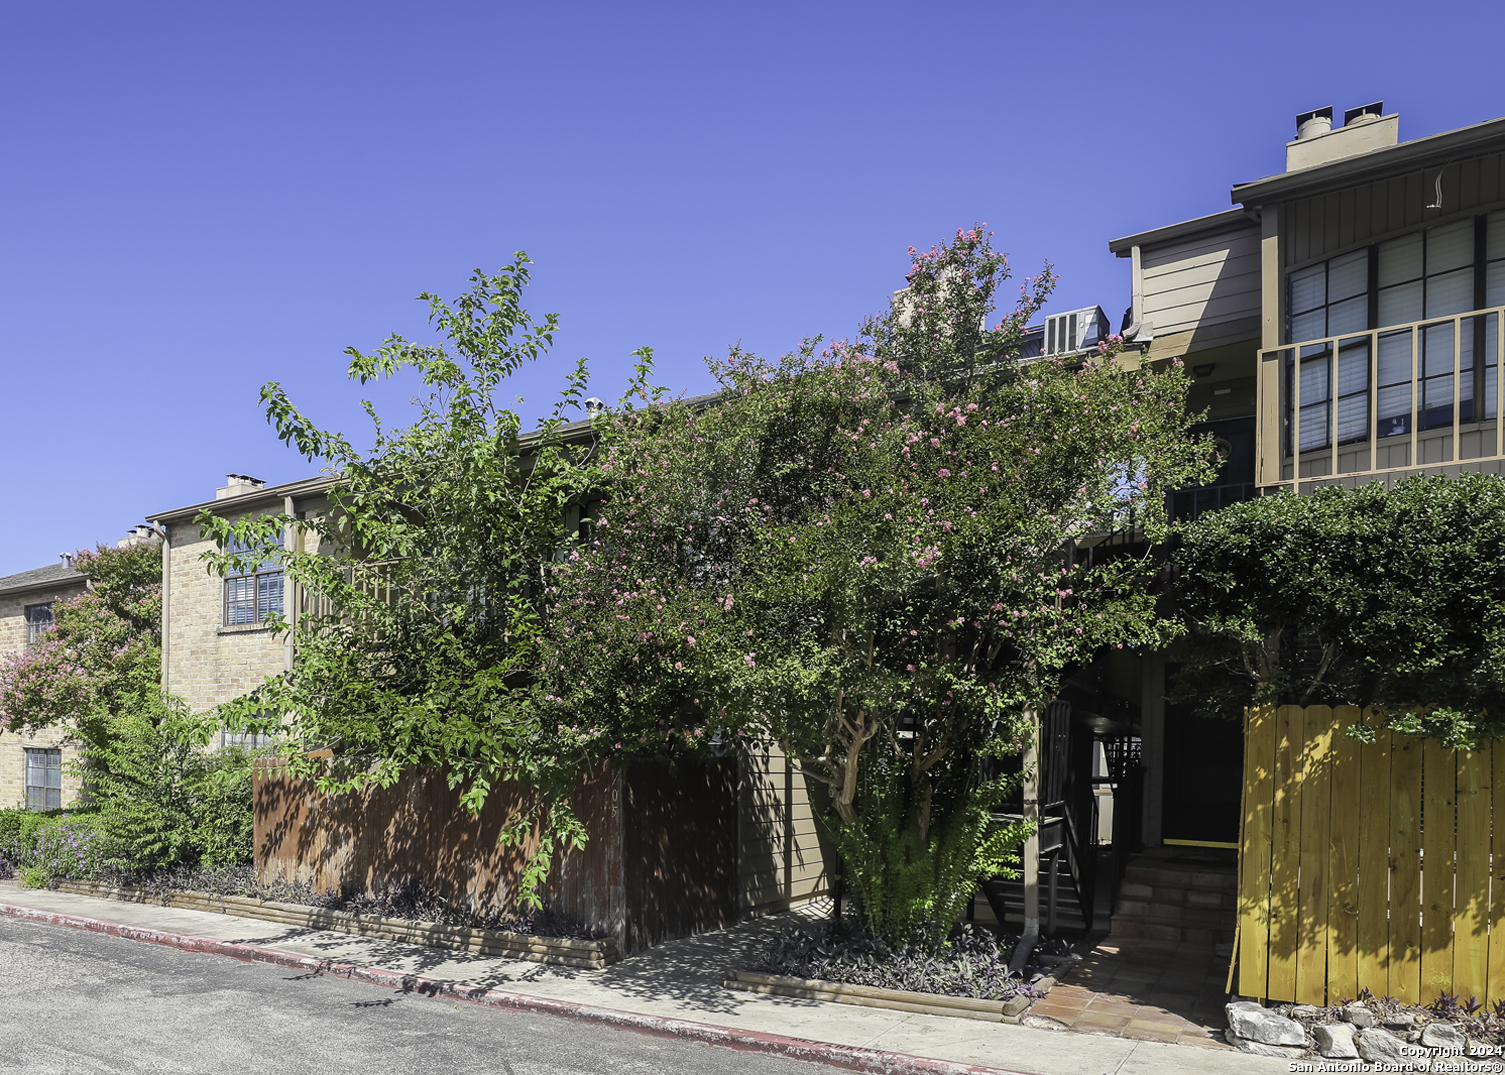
<point x="66" y="558"/>
<point x="144" y="534"/>
<point x="238" y="485"/>
<point x="1364" y="130"/>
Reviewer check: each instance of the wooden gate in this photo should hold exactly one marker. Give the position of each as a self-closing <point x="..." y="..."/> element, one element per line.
<point x="1367" y="866"/>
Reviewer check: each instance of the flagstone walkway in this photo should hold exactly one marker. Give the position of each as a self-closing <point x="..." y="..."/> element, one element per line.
<point x="1145" y="989"/>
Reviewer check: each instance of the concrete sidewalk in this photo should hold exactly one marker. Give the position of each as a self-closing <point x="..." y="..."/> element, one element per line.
<point x="676" y="981"/>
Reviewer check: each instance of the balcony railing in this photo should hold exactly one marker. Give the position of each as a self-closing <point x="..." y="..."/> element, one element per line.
<point x="1424" y="394"/>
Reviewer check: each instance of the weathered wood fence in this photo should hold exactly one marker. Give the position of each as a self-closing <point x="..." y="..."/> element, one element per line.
<point x="1368" y="866"/>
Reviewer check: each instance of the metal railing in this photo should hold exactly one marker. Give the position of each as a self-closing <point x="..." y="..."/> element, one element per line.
<point x="1422" y="394"/>
<point x="1189" y="505"/>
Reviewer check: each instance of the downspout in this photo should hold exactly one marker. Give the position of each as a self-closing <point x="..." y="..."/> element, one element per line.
<point x="1136" y="302"/>
<point x="166" y="600"/>
<point x="1031" y="852"/>
<point x="291" y="537"/>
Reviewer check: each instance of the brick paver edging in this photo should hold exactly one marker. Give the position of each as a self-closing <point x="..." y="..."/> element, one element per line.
<point x="851" y="1057"/>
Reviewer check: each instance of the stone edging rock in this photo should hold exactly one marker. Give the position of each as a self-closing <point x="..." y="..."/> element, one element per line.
<point x="560" y="951"/>
<point x="992" y="1011"/>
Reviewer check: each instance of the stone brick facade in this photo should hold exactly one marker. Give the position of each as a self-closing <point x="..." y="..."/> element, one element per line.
<point x="207" y="661"/>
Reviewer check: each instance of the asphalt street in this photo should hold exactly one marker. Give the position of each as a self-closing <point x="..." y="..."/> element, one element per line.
<point x="79" y="1002"/>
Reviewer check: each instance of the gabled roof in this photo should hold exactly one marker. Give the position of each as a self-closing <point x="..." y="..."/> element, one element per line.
<point x="41" y="577"/>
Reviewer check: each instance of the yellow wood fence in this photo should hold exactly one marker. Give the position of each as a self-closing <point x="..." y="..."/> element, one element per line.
<point x="1367" y="866"/>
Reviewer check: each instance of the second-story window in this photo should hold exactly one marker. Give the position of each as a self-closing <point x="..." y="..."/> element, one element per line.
<point x="38" y="621"/>
<point x="255" y="595"/>
<point x="1427" y="274"/>
<point x="1494" y="260"/>
<point x="1330" y="298"/>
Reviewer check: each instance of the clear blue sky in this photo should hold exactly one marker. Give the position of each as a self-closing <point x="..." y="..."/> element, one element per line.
<point x="199" y="198"/>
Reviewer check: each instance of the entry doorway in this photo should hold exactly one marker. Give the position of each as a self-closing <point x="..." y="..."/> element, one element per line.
<point x="1204" y="777"/>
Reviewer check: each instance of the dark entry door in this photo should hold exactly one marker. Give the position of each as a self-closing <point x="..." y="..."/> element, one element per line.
<point x="1204" y="774"/>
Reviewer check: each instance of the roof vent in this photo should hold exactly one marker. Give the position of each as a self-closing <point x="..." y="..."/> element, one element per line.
<point x="593" y="407"/>
<point x="66" y="558"/>
<point x="1311" y="124"/>
<point x="238" y="485"/>
<point x="1364" y="114"/>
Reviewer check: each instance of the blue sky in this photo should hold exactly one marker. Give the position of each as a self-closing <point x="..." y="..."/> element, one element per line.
<point x="200" y="198"/>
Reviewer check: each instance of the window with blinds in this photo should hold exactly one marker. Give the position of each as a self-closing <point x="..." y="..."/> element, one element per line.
<point x="1427" y="274"/>
<point x="44" y="778"/>
<point x="255" y="596"/>
<point x="1437" y="272"/>
<point x="1330" y="298"/>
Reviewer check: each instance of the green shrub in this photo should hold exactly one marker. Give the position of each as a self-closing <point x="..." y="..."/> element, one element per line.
<point x="71" y="846"/>
<point x="165" y="801"/>
<point x="33" y="877"/>
<point x="18" y="833"/>
<point x="60" y="843"/>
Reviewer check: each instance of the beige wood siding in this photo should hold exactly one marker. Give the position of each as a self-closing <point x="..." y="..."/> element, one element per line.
<point x="780" y="856"/>
<point x="1326" y="224"/>
<point x="1208" y="285"/>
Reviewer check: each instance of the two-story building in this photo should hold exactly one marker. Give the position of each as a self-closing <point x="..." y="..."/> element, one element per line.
<point x="32" y="770"/>
<point x="1342" y="325"/>
<point x="34" y="765"/>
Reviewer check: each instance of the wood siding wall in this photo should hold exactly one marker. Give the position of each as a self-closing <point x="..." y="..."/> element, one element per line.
<point x="1327" y="224"/>
<point x="1368" y="866"/>
<point x="782" y="860"/>
<point x="1208" y="285"/>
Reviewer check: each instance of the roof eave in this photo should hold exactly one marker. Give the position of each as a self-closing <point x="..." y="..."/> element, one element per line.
<point x="1212" y="222"/>
<point x="264" y="495"/>
<point x="48" y="584"/>
<point x="1448" y="147"/>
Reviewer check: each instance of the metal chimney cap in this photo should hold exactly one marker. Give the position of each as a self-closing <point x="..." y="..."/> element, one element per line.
<point x="1317" y="121"/>
<point x="1364" y="113"/>
<point x="594" y="406"/>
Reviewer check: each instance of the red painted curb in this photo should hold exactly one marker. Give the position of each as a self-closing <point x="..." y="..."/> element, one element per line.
<point x="851" y="1057"/>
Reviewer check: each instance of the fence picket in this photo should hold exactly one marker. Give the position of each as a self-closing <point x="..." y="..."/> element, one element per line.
<point x="1374" y="862"/>
<point x="1497" y="884"/>
<point x="1471" y="901"/>
<point x="1285" y="851"/>
<point x="1343" y="859"/>
<point x="1254" y="858"/>
<point x="1406" y="757"/>
<point x="1312" y="896"/>
<point x="1439" y="816"/>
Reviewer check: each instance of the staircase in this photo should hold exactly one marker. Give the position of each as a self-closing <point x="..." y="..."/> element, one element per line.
<point x="1005" y="899"/>
<point x="1179" y="894"/>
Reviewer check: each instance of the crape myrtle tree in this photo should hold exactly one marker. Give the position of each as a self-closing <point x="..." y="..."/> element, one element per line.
<point x="1371" y="597"/>
<point x="418" y="648"/>
<point x="861" y="553"/>
<point x="102" y="655"/>
<point x="162" y="798"/>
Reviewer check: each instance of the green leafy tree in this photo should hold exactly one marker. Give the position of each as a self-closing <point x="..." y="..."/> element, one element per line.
<point x="419" y="648"/>
<point x="862" y="553"/>
<point x="102" y="654"/>
<point x="1391" y="598"/>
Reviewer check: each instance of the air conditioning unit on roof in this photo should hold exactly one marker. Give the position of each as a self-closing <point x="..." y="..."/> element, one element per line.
<point x="1075" y="331"/>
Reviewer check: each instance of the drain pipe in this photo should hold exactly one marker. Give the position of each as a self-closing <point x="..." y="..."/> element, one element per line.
<point x="1031" y="852"/>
